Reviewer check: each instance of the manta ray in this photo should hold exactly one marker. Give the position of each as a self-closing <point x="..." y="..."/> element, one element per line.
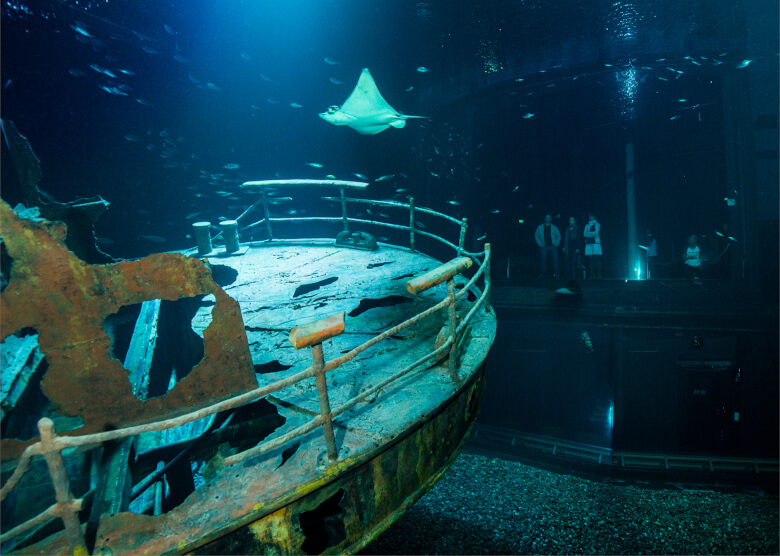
<point x="365" y="110"/>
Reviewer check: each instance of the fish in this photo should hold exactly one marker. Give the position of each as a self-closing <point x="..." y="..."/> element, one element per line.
<point x="126" y="71"/>
<point x="663" y="78"/>
<point x="149" y="50"/>
<point x="331" y="177"/>
<point x="528" y="115"/>
<point x="385" y="177"/>
<point x="271" y="101"/>
<point x="516" y="188"/>
<point x="361" y="176"/>
<point x="331" y="62"/>
<point x="181" y="59"/>
<point x="143" y="101"/>
<point x="132" y="138"/>
<point x="408" y="89"/>
<point x="434" y="174"/>
<point x="674" y="117"/>
<point x="519" y="79"/>
<point x="682" y="100"/>
<point x="231" y="166"/>
<point x="168" y="29"/>
<point x="315" y="164"/>
<point x="480" y="238"/>
<point x="336" y="81"/>
<point x="454" y="202"/>
<point x="80" y="29"/>
<point x="495" y="211"/>
<point x="744" y="64"/>
<point x="8" y="83"/>
<point x="212" y="86"/>
<point x="423" y="69"/>
<point x="76" y="72"/>
<point x="192" y="215"/>
<point x="365" y="110"/>
<point x="295" y="105"/>
<point x="153" y="239"/>
<point x="420" y="225"/>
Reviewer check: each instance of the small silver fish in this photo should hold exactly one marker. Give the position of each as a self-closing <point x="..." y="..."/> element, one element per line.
<point x="454" y="202"/>
<point x="361" y="176"/>
<point x="422" y="69"/>
<point x="744" y="64"/>
<point x="331" y="62"/>
<point x="315" y="164"/>
<point x="385" y="177"/>
<point x="336" y="81"/>
<point x="528" y="115"/>
<point x="153" y="239"/>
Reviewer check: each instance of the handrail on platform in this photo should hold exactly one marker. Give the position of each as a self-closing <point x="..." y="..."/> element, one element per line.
<point x="51" y="446"/>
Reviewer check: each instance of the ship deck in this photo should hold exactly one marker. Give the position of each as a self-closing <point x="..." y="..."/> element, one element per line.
<point x="281" y="285"/>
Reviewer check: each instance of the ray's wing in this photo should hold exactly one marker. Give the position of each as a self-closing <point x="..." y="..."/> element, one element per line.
<point x="366" y="101"/>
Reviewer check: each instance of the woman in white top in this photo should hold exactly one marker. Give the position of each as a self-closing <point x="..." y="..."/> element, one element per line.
<point x="692" y="259"/>
<point x="592" y="247"/>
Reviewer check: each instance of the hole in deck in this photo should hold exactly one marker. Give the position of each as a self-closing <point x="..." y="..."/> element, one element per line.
<point x="165" y="325"/>
<point x="271" y="367"/>
<point x="306" y="288"/>
<point x="388" y="301"/>
<point x="323" y="526"/>
<point x="288" y="453"/>
<point x="223" y="275"/>
<point x="376" y="265"/>
<point x="402" y="276"/>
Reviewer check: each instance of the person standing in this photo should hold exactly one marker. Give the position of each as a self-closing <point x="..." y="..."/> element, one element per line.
<point x="571" y="249"/>
<point x="692" y="259"/>
<point x="548" y="237"/>
<point x="651" y="254"/>
<point x="592" y="246"/>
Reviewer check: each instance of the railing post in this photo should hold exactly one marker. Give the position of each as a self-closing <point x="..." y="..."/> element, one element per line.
<point x="487" y="277"/>
<point x="411" y="223"/>
<point x="59" y="478"/>
<point x="462" y="239"/>
<point x="322" y="392"/>
<point x="453" y="325"/>
<point x="267" y="215"/>
<point x="344" y="209"/>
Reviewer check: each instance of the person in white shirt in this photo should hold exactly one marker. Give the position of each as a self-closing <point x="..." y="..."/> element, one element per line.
<point x="692" y="259"/>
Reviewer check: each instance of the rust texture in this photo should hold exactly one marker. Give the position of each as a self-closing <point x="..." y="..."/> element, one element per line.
<point x="317" y="332"/>
<point x="437" y="275"/>
<point x="67" y="300"/>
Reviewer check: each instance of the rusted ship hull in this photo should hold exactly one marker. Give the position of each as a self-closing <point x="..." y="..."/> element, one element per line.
<point x="366" y="499"/>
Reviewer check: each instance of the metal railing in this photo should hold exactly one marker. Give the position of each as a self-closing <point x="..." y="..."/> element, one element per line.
<point x="51" y="446"/>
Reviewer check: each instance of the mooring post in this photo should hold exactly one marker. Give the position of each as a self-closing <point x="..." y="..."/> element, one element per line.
<point x="462" y="239"/>
<point x="487" y="277"/>
<point x="267" y="215"/>
<point x="411" y="223"/>
<point x="344" y="209"/>
<point x="322" y="392"/>
<point x="59" y="478"/>
<point x="453" y="325"/>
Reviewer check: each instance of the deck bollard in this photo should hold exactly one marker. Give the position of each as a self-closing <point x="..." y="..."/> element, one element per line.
<point x="322" y="393"/>
<point x="313" y="334"/>
<point x="230" y="235"/>
<point x="202" y="237"/>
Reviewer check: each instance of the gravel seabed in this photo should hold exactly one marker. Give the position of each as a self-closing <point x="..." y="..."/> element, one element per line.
<point x="489" y="505"/>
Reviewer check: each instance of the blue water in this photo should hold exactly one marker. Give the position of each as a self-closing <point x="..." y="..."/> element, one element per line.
<point x="164" y="108"/>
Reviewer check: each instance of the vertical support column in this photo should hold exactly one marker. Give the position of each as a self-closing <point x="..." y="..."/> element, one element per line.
<point x="463" y="226"/>
<point x="267" y="215"/>
<point x="631" y="212"/>
<point x="61" y="486"/>
<point x="487" y="277"/>
<point x="344" y="209"/>
<point x="411" y="223"/>
<point x="453" y="325"/>
<point x="322" y="392"/>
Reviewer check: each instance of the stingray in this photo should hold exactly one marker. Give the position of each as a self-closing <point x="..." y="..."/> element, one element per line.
<point x="365" y="110"/>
